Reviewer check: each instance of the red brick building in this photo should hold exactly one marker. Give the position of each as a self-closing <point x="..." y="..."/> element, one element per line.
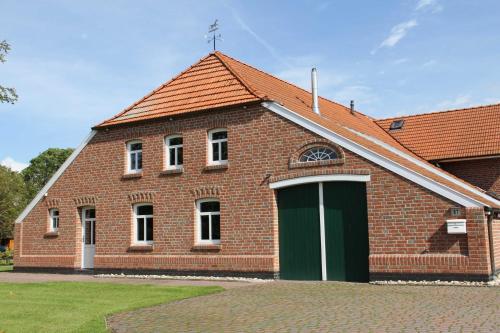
<point x="228" y="170"/>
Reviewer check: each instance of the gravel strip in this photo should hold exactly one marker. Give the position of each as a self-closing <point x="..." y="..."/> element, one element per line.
<point x="493" y="283"/>
<point x="181" y="277"/>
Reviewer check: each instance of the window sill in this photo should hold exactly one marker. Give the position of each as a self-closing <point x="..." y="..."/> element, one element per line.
<point x="168" y="172"/>
<point x="51" y="234"/>
<point x="140" y="248"/>
<point x="206" y="247"/>
<point x="212" y="167"/>
<point x="132" y="175"/>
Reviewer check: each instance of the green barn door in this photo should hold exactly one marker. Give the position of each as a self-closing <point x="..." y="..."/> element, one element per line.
<point x="299" y="233"/>
<point x="346" y="231"/>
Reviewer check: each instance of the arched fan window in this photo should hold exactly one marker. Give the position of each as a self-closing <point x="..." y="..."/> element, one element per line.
<point x="318" y="154"/>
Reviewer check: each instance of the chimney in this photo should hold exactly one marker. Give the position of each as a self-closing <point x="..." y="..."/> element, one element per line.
<point x="352" y="107"/>
<point x="314" y="91"/>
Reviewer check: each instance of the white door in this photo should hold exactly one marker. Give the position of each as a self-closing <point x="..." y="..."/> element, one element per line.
<point x="88" y="232"/>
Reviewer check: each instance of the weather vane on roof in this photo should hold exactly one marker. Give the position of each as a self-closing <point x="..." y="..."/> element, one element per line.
<point x="212" y="28"/>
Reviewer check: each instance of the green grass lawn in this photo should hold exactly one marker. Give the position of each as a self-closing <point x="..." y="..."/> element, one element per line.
<point x="5" y="268"/>
<point x="78" y="307"/>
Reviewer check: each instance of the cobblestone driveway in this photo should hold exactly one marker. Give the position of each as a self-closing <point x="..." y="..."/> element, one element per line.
<point x="324" y="307"/>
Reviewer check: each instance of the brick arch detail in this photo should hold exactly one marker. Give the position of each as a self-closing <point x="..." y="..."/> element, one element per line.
<point x="322" y="172"/>
<point x="294" y="158"/>
<point x="142" y="196"/>
<point x="53" y="203"/>
<point x="201" y="192"/>
<point x="85" y="200"/>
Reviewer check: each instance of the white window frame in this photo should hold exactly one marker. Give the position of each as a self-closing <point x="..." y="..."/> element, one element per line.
<point x="130" y="152"/>
<point x="176" y="148"/>
<point x="219" y="141"/>
<point x="92" y="221"/>
<point x="199" y="214"/>
<point x="136" y="224"/>
<point x="53" y="218"/>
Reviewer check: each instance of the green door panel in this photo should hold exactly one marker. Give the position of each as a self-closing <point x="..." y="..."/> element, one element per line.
<point x="299" y="233"/>
<point x="346" y="231"/>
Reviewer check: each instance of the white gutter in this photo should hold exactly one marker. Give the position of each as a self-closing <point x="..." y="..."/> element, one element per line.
<point x="55" y="177"/>
<point x="383" y="161"/>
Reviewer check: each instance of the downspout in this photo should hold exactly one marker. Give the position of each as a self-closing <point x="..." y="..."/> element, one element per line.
<point x="490" y="213"/>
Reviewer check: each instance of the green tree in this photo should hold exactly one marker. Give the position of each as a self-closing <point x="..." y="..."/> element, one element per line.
<point x="7" y="95"/>
<point x="42" y="167"/>
<point x="12" y="200"/>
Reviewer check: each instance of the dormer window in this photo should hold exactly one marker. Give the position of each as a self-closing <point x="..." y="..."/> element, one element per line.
<point x="397" y="124"/>
<point x="174" y="152"/>
<point x="134" y="152"/>
<point x="217" y="146"/>
<point x="318" y="154"/>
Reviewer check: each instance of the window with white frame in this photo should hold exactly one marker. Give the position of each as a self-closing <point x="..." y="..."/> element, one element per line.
<point x="174" y="152"/>
<point x="134" y="159"/>
<point x="143" y="221"/>
<point x="208" y="227"/>
<point x="217" y="146"/>
<point x="54" y="219"/>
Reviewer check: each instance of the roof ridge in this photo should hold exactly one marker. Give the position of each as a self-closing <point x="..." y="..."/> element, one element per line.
<point x="437" y="112"/>
<point x="247" y="85"/>
<point x="131" y="106"/>
<point x="284" y="81"/>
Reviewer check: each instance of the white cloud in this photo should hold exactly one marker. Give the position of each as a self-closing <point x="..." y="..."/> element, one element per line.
<point x="362" y="95"/>
<point x="424" y="3"/>
<point x="243" y="25"/>
<point x="429" y="63"/>
<point x="458" y="102"/>
<point x="400" y="61"/>
<point x="9" y="162"/>
<point x="433" y="5"/>
<point x="398" y="32"/>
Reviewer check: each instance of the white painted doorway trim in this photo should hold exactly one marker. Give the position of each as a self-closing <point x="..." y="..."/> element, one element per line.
<point x="319" y="179"/>
<point x="92" y="224"/>
<point x="322" y="233"/>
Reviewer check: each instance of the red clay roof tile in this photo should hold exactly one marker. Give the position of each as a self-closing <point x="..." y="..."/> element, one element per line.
<point x="218" y="81"/>
<point x="462" y="133"/>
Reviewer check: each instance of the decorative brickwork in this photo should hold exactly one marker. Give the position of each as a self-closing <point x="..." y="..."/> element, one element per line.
<point x="142" y="196"/>
<point x="294" y="158"/>
<point x="407" y="223"/>
<point x="86" y="200"/>
<point x="52" y="202"/>
<point x="206" y="192"/>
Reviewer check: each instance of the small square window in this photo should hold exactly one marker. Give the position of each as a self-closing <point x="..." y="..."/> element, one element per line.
<point x="455" y="211"/>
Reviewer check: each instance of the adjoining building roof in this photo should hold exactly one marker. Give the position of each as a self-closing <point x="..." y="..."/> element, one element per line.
<point x="454" y="134"/>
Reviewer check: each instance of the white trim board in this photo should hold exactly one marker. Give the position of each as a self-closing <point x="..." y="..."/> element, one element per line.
<point x="319" y="179"/>
<point x="55" y="177"/>
<point x="383" y="161"/>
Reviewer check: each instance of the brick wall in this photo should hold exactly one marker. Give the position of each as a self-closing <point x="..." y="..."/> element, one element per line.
<point x="406" y="222"/>
<point x="483" y="173"/>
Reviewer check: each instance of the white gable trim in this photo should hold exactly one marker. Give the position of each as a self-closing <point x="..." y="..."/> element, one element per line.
<point x="422" y="164"/>
<point x="383" y="161"/>
<point x="55" y="177"/>
<point x="319" y="179"/>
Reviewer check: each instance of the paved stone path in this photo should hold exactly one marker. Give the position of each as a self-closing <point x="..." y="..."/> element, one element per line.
<point x="323" y="307"/>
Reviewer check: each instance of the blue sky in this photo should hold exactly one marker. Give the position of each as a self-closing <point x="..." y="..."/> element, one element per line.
<point x="77" y="63"/>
